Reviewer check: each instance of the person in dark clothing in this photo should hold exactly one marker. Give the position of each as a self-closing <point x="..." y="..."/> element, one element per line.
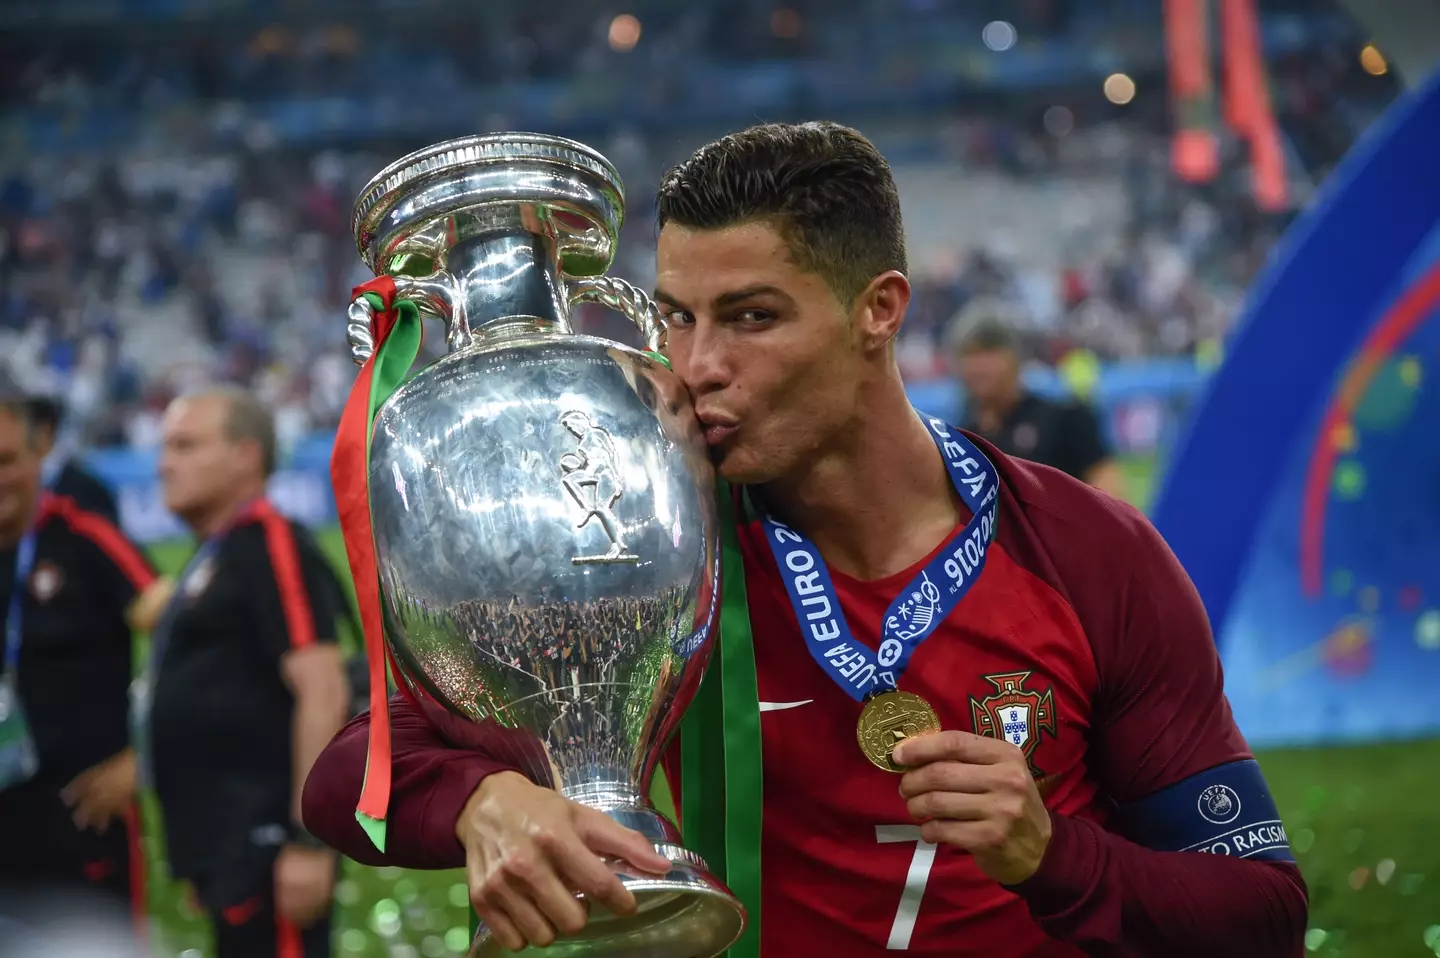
<point x="62" y="473"/>
<point x="76" y="589"/>
<point x="1064" y="434"/>
<point x="244" y="687"/>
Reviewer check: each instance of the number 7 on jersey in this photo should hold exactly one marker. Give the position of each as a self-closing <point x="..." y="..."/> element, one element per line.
<point x="920" y="863"/>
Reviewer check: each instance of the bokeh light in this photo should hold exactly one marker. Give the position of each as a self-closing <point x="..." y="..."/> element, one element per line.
<point x="457" y="940"/>
<point x="1385" y="870"/>
<point x="1059" y="121"/>
<point x="785" y="23"/>
<point x="1119" y="89"/>
<point x="1427" y="630"/>
<point x="624" y="33"/>
<point x="1373" y="61"/>
<point x="1344" y="438"/>
<point x="1349" y="480"/>
<point x="999" y="35"/>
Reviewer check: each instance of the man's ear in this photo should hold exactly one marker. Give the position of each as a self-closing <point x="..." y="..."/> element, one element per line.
<point x="880" y="309"/>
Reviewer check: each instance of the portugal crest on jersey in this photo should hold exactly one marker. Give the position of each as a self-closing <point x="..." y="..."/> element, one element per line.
<point x="1015" y="713"/>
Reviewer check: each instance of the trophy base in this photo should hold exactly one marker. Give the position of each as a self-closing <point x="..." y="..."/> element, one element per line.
<point x="687" y="913"/>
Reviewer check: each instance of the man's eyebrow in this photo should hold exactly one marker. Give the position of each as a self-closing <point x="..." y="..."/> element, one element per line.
<point x="660" y="296"/>
<point x="740" y="295"/>
<point x="724" y="299"/>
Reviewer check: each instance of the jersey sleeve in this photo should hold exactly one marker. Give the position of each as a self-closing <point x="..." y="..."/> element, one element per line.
<point x="1161" y="723"/>
<point x="433" y="775"/>
<point x="121" y="568"/>
<point x="296" y="600"/>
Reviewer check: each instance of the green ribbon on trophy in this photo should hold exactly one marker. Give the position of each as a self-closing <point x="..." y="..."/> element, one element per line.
<point x="721" y="785"/>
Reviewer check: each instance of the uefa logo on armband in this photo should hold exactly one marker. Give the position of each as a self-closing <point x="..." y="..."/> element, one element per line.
<point x="1219" y="805"/>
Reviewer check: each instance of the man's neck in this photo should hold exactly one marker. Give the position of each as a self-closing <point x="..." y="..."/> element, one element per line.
<point x="880" y="502"/>
<point x="13" y="531"/>
<point x="213" y="519"/>
<point x="10" y="535"/>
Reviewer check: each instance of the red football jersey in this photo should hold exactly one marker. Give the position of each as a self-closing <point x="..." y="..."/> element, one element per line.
<point x="844" y="872"/>
<point x="843" y="869"/>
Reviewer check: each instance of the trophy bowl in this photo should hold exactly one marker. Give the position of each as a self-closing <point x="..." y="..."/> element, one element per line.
<point x="543" y="503"/>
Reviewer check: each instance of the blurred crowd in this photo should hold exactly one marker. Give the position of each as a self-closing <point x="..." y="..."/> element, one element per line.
<point x="127" y="277"/>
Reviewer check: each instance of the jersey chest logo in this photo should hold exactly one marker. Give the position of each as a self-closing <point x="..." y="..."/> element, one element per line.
<point x="1016" y="714"/>
<point x="46" y="581"/>
<point x="199" y="579"/>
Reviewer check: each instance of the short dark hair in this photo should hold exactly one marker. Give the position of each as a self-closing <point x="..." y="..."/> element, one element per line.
<point x="15" y="402"/>
<point x="19" y="408"/>
<point x="984" y="326"/>
<point x="247" y="418"/>
<point x="45" y="411"/>
<point x="825" y="187"/>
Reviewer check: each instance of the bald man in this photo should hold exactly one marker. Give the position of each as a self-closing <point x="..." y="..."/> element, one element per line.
<point x="245" y="686"/>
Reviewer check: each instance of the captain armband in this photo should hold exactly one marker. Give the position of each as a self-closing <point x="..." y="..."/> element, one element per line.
<point x="1226" y="810"/>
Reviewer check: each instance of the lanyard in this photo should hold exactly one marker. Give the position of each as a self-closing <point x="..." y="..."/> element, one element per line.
<point x="24" y="562"/>
<point x="919" y="608"/>
<point x="165" y="622"/>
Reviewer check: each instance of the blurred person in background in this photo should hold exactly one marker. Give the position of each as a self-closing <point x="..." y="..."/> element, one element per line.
<point x="1063" y="434"/>
<point x="62" y="473"/>
<point x="246" y="686"/>
<point x="68" y="826"/>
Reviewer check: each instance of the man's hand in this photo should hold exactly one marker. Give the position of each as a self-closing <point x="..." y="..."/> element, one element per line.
<point x="528" y="850"/>
<point x="304" y="884"/>
<point x="976" y="793"/>
<point x="101" y="793"/>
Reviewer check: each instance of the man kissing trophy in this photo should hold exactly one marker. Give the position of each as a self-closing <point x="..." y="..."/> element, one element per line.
<point x="531" y="518"/>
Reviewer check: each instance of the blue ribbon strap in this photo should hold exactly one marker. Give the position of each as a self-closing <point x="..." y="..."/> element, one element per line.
<point x="920" y="607"/>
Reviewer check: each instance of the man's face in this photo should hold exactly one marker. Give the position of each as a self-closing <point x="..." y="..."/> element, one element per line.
<point x="766" y="348"/>
<point x="988" y="375"/>
<point x="19" y="470"/>
<point x="198" y="462"/>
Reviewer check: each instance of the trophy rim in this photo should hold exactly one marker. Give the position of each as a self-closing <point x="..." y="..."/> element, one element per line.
<point x="466" y="153"/>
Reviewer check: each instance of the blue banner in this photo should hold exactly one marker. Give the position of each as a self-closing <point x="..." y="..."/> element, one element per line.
<point x="1323" y="580"/>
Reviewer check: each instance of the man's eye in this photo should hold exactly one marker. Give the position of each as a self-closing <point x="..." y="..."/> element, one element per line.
<point x="678" y="318"/>
<point x="753" y="316"/>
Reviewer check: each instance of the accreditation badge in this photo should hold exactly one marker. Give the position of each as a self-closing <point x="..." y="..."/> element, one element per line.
<point x="18" y="759"/>
<point x="140" y="702"/>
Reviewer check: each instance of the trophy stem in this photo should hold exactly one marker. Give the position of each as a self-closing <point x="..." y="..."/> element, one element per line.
<point x="507" y="280"/>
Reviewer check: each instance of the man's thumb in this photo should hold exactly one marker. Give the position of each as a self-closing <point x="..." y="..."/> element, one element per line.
<point x="605" y="836"/>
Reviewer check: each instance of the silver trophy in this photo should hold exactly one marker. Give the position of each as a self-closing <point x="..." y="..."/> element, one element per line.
<point x="543" y="503"/>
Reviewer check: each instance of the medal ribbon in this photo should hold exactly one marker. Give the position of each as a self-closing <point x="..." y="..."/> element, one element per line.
<point x="721" y="780"/>
<point x="921" y="606"/>
<point x="397" y="343"/>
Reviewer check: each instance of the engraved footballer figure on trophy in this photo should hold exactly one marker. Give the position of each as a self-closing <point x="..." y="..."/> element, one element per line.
<point x="593" y="481"/>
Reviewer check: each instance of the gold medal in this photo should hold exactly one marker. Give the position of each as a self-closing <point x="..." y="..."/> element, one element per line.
<point x="889" y="719"/>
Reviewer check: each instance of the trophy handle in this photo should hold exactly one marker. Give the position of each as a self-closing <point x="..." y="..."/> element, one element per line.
<point x="434" y="296"/>
<point x="625" y="297"/>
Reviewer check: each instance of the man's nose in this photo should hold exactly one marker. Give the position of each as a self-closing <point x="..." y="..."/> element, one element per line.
<point x="707" y="365"/>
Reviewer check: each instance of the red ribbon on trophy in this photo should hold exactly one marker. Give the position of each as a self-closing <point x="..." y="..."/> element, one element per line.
<point x="396" y="331"/>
